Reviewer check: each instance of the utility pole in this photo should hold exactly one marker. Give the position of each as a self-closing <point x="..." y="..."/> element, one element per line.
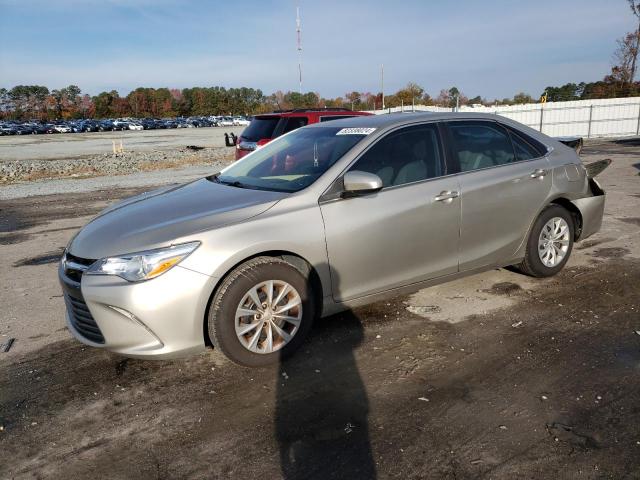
<point x="299" y="43"/>
<point x="382" y="83"/>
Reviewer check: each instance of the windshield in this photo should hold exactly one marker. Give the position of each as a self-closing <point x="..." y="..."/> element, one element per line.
<point x="291" y="162"/>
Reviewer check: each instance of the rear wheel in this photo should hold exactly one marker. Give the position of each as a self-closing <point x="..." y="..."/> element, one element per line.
<point x="550" y="243"/>
<point x="262" y="312"/>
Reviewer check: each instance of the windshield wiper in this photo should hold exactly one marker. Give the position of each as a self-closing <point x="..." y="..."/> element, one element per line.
<point x="216" y="178"/>
<point x="235" y="183"/>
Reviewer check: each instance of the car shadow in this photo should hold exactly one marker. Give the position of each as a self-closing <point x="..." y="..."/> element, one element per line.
<point x="321" y="417"/>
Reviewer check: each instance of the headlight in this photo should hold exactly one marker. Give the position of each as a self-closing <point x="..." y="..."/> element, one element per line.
<point x="138" y="266"/>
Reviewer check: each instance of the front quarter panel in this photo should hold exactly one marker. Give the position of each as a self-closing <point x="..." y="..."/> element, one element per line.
<point x="291" y="225"/>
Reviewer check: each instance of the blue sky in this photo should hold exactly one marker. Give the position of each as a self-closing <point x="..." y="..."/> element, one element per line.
<point x="492" y="48"/>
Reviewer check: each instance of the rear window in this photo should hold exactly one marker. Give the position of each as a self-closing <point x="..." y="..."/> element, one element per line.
<point x="260" y="128"/>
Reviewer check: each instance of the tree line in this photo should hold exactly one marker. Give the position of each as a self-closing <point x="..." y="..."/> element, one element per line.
<point x="35" y="102"/>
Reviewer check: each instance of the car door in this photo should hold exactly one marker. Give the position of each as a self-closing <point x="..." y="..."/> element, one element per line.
<point x="404" y="233"/>
<point x="502" y="188"/>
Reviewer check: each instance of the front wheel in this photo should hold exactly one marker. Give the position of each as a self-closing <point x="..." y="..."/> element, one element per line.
<point x="262" y="312"/>
<point x="550" y="243"/>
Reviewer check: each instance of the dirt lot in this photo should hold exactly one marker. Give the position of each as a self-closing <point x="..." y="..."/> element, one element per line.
<point x="493" y="376"/>
<point x="72" y="145"/>
<point x="27" y="158"/>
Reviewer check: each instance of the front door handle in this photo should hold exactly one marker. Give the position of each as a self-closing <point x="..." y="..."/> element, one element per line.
<point x="446" y="196"/>
<point x="539" y="173"/>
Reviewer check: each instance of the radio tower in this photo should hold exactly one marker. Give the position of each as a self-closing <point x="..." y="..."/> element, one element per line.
<point x="299" y="42"/>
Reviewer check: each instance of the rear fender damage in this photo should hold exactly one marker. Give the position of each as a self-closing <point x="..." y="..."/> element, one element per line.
<point x="591" y="210"/>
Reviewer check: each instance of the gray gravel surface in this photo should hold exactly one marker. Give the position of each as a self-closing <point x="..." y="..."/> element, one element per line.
<point x="83" y="185"/>
<point x="37" y="157"/>
<point x="68" y="146"/>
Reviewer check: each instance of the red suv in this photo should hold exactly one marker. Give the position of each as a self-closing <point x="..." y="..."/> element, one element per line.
<point x="264" y="128"/>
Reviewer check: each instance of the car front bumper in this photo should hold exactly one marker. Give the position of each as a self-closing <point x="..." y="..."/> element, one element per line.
<point x="158" y="318"/>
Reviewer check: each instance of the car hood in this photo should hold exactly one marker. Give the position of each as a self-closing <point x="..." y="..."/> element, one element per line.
<point x="159" y="218"/>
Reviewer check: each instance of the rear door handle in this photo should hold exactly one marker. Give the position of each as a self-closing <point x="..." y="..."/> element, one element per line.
<point x="539" y="173"/>
<point x="446" y="196"/>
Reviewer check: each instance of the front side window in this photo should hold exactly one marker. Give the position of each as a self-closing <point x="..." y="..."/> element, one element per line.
<point x="290" y="163"/>
<point x="480" y="145"/>
<point x="404" y="156"/>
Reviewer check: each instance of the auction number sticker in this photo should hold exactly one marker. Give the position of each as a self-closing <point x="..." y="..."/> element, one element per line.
<point x="355" y="131"/>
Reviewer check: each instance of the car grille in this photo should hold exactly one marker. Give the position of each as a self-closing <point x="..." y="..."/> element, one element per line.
<point x="79" y="314"/>
<point x="82" y="320"/>
<point x="76" y="266"/>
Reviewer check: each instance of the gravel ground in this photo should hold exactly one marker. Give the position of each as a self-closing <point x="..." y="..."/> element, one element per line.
<point x="492" y="376"/>
<point x="37" y="157"/>
<point x="144" y="180"/>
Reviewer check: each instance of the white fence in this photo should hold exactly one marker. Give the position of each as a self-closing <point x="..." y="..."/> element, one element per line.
<point x="612" y="117"/>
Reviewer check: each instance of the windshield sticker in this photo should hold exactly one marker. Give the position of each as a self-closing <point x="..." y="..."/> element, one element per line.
<point x="355" y="131"/>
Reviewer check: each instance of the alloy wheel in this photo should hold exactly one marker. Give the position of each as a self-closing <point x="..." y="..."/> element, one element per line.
<point x="553" y="242"/>
<point x="268" y="316"/>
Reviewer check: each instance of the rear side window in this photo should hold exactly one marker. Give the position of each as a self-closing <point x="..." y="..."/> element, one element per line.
<point x="525" y="147"/>
<point x="260" y="128"/>
<point x="407" y="155"/>
<point x="480" y="145"/>
<point x="293" y="123"/>
<point x="524" y="151"/>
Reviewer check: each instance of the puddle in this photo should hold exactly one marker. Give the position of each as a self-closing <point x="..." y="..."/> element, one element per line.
<point x="611" y="252"/>
<point x="13" y="238"/>
<point x="631" y="220"/>
<point x="503" y="288"/>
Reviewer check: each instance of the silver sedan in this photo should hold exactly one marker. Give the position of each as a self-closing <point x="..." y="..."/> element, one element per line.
<point x="325" y="218"/>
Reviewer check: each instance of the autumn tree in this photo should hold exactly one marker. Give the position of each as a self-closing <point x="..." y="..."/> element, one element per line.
<point x="521" y="98"/>
<point x="635" y="38"/>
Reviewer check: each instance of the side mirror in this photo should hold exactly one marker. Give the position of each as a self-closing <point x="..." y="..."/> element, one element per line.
<point x="357" y="182"/>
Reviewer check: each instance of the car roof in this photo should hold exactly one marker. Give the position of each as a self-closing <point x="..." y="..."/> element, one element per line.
<point x="392" y="120"/>
<point x="301" y="112"/>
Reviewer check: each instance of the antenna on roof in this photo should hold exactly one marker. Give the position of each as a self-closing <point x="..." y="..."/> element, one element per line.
<point x="299" y="44"/>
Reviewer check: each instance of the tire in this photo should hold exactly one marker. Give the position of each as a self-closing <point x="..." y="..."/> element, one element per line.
<point x="536" y="263"/>
<point x="233" y="296"/>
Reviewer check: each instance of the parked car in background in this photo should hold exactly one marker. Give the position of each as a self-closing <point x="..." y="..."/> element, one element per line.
<point x="135" y="126"/>
<point x="7" y="129"/>
<point x="325" y="218"/>
<point x="24" y="129"/>
<point x="241" y="121"/>
<point x="225" y="122"/>
<point x="263" y="128"/>
<point x="62" y="128"/>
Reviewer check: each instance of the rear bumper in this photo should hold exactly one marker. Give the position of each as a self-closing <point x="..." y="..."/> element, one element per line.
<point x="591" y="210"/>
